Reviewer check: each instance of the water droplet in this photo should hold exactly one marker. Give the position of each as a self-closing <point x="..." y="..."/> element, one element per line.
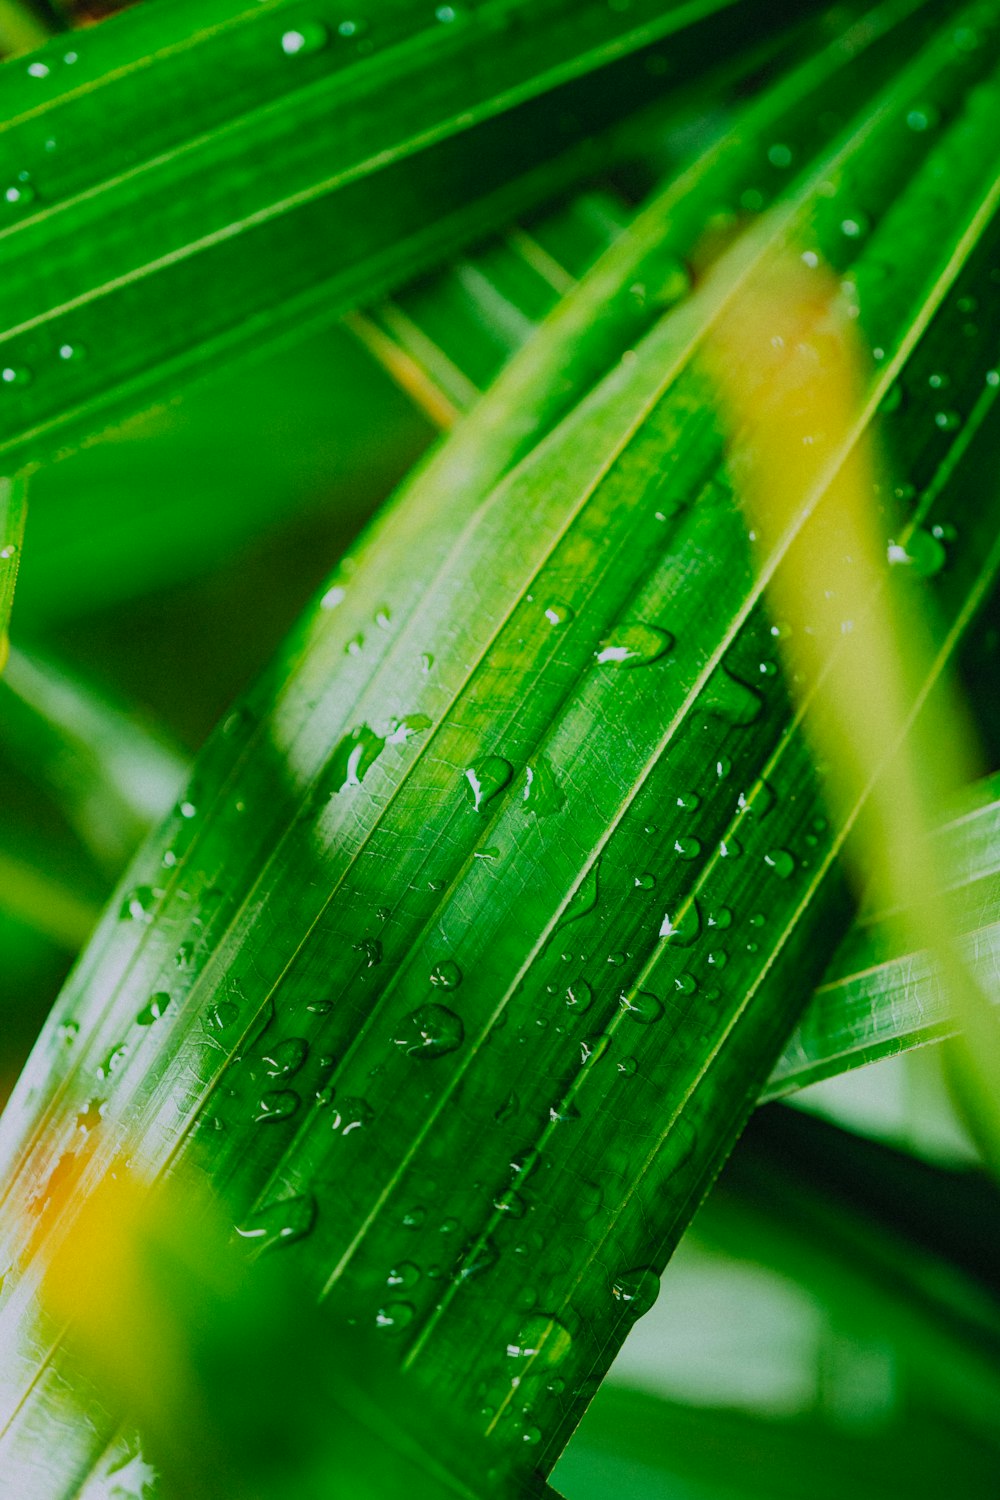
<point x="156" y="1008"/>
<point x="531" y="1435"/>
<point x="356" y="753"/>
<point x="854" y="226"/>
<point x="401" y="730"/>
<point x="69" y="1031"/>
<point x="405" y="1274"/>
<point x="687" y="848"/>
<point x="334" y="595"/>
<point x="718" y="958"/>
<point x="758" y="801"/>
<point x="781" y="862"/>
<point x="720" y="917"/>
<point x="221" y="1016"/>
<point x="592" y="1048"/>
<point x="15" y="375"/>
<point x="413" y="1218"/>
<point x="644" y="882"/>
<point x="485" y="779"/>
<point x="446" y="975"/>
<point x="584" y="898"/>
<point x="557" y="613"/>
<point x="395" y="1316"/>
<point x="729" y="698"/>
<point x="277" y="1104"/>
<point x="476" y="1259"/>
<point x="923" y="117"/>
<point x="628" y="1067"/>
<point x="426" y="662"/>
<point x="683" y="927"/>
<point x="19" y="194"/>
<point x="371" y="951"/>
<point x="641" y="1006"/>
<point x="113" y="1061"/>
<point x="637" y="1290"/>
<point x="511" y="1204"/>
<point x="689" y="801"/>
<point x="280" y="1223"/>
<point x="579" y="996"/>
<point x="350" y="1115"/>
<point x="947" y="421"/>
<point x="140" y="903"/>
<point x="88" y="1119"/>
<point x="730" y="848"/>
<point x="543" y="1339"/>
<point x="355" y="645"/>
<point x="286" y="1058"/>
<point x="635" y="645"/>
<point x="922" y="552"/>
<point x="686" y="984"/>
<point x="430" y="1031"/>
<point x="306" y="39"/>
<point x="541" y="793"/>
<point x="723" y="766"/>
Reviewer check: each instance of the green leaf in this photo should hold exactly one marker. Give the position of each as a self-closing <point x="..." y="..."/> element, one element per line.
<point x="377" y="147"/>
<point x="13" y="510"/>
<point x="878" y="999"/>
<point x="487" y="912"/>
<point x="112" y="776"/>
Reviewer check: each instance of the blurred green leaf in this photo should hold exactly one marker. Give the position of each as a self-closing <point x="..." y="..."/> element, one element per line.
<point x="378" y="145"/>
<point x="877" y="998"/>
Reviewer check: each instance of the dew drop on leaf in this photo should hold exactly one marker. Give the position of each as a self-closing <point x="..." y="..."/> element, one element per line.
<point x="731" y="699"/>
<point x="686" y="847"/>
<point x="540" y="791"/>
<point x="485" y="779"/>
<point x="579" y="996"/>
<point x="370" y="950"/>
<point x="542" y="1339"/>
<point x="395" y="1316"/>
<point x="356" y="753"/>
<point x="682" y="928"/>
<point x="641" y="1005"/>
<point x="636" y="1290"/>
<point x="280" y="1223"/>
<point x="286" y="1058"/>
<point x="592" y="1048"/>
<point x="405" y="1274"/>
<point x="311" y="37"/>
<point x="351" y="1114"/>
<point x="430" y="1031"/>
<point x="511" y="1204"/>
<point x="155" y="1008"/>
<point x="923" y="553"/>
<point x="584" y="898"/>
<point x="140" y="903"/>
<point x="446" y="975"/>
<point x="221" y="1015"/>
<point x="781" y="862"/>
<point x="277" y="1104"/>
<point x="634" y="645"/>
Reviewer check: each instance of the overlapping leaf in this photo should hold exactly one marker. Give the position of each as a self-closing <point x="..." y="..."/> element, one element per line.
<point x="194" y="179"/>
